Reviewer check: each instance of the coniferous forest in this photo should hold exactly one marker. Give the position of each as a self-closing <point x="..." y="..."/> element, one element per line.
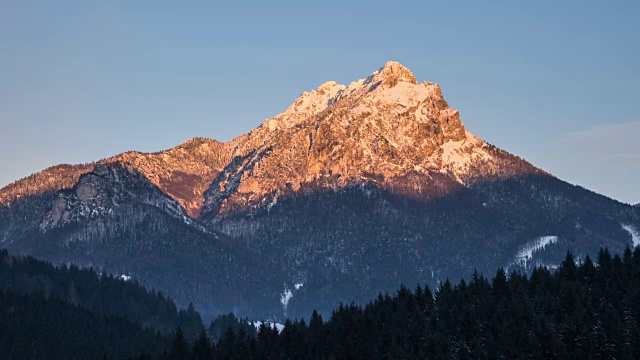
<point x="65" y="312"/>
<point x="589" y="310"/>
<point x="586" y="309"/>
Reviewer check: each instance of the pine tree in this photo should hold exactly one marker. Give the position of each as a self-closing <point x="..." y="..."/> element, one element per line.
<point x="179" y="346"/>
<point x="202" y="349"/>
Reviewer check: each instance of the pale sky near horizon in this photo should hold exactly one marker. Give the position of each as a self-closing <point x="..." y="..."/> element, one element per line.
<point x="557" y="83"/>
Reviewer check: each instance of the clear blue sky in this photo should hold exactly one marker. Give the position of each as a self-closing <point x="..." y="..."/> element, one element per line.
<point x="555" y="82"/>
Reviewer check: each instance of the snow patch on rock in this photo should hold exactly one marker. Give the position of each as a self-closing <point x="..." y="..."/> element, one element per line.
<point x="457" y="156"/>
<point x="284" y="299"/>
<point x="309" y="104"/>
<point x="404" y="94"/>
<point x="635" y="234"/>
<point x="273" y="203"/>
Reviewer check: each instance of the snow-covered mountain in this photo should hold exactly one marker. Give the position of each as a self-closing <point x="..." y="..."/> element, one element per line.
<point x="349" y="191"/>
<point x="386" y="130"/>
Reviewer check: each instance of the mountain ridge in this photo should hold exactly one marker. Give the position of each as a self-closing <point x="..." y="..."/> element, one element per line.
<point x="194" y="164"/>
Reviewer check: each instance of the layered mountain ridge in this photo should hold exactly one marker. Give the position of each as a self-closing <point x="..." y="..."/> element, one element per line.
<point x="349" y="191"/>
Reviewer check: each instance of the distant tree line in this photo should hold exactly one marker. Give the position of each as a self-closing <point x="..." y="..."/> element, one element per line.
<point x="222" y="323"/>
<point x="589" y="310"/>
<point x="585" y="310"/>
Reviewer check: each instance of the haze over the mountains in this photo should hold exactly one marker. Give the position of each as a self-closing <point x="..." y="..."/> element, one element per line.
<point x="351" y="190"/>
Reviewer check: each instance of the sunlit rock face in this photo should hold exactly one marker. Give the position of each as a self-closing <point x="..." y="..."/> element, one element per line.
<point x="351" y="190"/>
<point x="378" y="130"/>
<point x="386" y="130"/>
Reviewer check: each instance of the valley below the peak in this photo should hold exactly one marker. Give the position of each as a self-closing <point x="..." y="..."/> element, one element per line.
<point x="351" y="191"/>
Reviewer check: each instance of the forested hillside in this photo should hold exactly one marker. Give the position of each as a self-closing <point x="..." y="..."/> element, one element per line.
<point x="589" y="310"/>
<point x="37" y="327"/>
<point x="71" y="313"/>
<point x="100" y="293"/>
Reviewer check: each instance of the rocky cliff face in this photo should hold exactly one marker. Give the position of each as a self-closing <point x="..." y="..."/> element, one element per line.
<point x="49" y="180"/>
<point x="378" y="130"/>
<point x="349" y="191"/>
<point x="386" y="130"/>
<point x="182" y="173"/>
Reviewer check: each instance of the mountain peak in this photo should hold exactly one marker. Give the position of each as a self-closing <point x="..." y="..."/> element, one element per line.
<point x="394" y="65"/>
<point x="312" y="102"/>
<point x="199" y="142"/>
<point x="392" y="73"/>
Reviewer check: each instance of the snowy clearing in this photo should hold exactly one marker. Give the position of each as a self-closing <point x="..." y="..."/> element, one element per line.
<point x="526" y="252"/>
<point x="269" y="324"/>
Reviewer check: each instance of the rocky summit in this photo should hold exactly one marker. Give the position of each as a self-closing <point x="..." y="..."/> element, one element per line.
<point x="352" y="190"/>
